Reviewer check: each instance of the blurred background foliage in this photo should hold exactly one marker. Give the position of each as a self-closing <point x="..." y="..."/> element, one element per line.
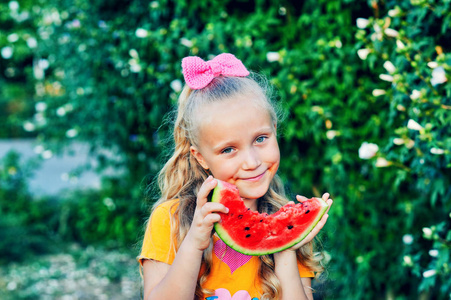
<point x="365" y="85"/>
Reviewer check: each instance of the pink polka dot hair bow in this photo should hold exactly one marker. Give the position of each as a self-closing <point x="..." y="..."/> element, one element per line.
<point x="199" y="73"/>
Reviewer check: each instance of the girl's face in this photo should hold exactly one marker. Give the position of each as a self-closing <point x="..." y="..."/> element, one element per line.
<point x="237" y="142"/>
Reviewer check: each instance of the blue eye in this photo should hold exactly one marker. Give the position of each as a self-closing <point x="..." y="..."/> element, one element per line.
<point x="227" y="150"/>
<point x="261" y="139"/>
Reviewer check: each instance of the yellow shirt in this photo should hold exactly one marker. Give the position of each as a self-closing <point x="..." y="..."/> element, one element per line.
<point x="233" y="274"/>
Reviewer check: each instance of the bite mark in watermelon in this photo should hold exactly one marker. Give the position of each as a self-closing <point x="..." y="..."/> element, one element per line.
<point x="253" y="233"/>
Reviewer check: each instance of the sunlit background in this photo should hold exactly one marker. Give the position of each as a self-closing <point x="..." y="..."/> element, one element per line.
<point x="86" y="87"/>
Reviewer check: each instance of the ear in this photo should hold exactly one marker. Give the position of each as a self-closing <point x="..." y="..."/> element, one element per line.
<point x="198" y="156"/>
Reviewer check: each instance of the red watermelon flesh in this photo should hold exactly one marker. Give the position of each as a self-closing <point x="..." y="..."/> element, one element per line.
<point x="253" y="233"/>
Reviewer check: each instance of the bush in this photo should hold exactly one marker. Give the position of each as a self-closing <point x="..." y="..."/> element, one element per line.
<point x="27" y="224"/>
<point x="17" y="64"/>
<point x="410" y="40"/>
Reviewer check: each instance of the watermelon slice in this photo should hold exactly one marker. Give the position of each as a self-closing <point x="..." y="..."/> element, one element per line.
<point x="253" y="233"/>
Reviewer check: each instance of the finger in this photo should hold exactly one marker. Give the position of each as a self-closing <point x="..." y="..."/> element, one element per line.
<point x="211" y="207"/>
<point x="325" y="196"/>
<point x="210" y="219"/>
<point x="209" y="184"/>
<point x="316" y="230"/>
<point x="301" y="198"/>
<point x="329" y="203"/>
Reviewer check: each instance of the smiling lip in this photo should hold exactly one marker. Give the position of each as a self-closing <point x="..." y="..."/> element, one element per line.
<point x="256" y="178"/>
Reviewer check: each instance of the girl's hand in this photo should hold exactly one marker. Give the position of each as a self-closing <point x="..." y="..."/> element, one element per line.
<point x="205" y="215"/>
<point x="318" y="226"/>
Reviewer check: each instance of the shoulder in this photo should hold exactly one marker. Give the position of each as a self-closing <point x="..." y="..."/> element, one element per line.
<point x="164" y="209"/>
<point x="167" y="205"/>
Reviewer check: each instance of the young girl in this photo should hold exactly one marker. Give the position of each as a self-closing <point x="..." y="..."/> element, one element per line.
<point x="225" y="129"/>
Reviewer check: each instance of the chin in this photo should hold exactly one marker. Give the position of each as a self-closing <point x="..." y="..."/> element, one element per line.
<point x="253" y="193"/>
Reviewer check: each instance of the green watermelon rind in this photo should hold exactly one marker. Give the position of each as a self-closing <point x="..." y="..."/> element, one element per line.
<point x="227" y="239"/>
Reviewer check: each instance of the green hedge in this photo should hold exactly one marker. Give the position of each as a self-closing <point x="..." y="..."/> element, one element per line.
<point x="379" y="144"/>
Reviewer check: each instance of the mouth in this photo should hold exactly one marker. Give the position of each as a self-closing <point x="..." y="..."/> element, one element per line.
<point x="256" y="178"/>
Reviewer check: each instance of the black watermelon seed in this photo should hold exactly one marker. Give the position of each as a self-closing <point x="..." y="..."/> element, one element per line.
<point x="246" y="228"/>
<point x="240" y="216"/>
<point x="307" y="211"/>
<point x="248" y="235"/>
<point x="290" y="226"/>
<point x="261" y="220"/>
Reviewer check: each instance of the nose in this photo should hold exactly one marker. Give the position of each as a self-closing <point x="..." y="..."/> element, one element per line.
<point x="251" y="159"/>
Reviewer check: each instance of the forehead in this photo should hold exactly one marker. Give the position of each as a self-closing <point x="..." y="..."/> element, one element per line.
<point x="226" y="108"/>
<point x="232" y="118"/>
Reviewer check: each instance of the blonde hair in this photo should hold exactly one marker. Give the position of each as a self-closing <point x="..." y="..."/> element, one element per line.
<point x="182" y="176"/>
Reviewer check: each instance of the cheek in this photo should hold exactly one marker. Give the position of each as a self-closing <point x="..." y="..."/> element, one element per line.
<point x="275" y="153"/>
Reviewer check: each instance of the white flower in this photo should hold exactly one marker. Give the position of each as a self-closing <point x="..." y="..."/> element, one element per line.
<point x="32" y="42"/>
<point x="272" y="56"/>
<point x="338" y="44"/>
<point x="362" y="23"/>
<point x="437" y="151"/>
<point x="438" y="76"/>
<point x="400" y="107"/>
<point x="11" y="286"/>
<point x="398" y="141"/>
<point x="429" y="273"/>
<point x="386" y="77"/>
<point x="410" y="143"/>
<point x="382" y="162"/>
<point x="38" y="72"/>
<point x="13" y="5"/>
<point x="377" y="28"/>
<point x="28" y="126"/>
<point x="43" y="64"/>
<point x="72" y="133"/>
<point x="13" y="37"/>
<point x="427" y="232"/>
<point x="38" y="149"/>
<point x="331" y="134"/>
<point x="391" y="32"/>
<point x="176" y="85"/>
<point x="363" y="53"/>
<point x="415" y="94"/>
<point x="368" y="150"/>
<point x="154" y="4"/>
<point x="282" y="11"/>
<point x="432" y="64"/>
<point x="400" y="45"/>
<point x="135" y="68"/>
<point x="413" y="125"/>
<point x="408" y="260"/>
<point x="141" y="33"/>
<point x="61" y="111"/>
<point x="407" y="239"/>
<point x="7" y="52"/>
<point x="378" y="92"/>
<point x="394" y="12"/>
<point x="40" y="106"/>
<point x="47" y="154"/>
<point x="388" y="65"/>
<point x="133" y="53"/>
<point x="185" y="42"/>
<point x="433" y="252"/>
<point x="109" y="203"/>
